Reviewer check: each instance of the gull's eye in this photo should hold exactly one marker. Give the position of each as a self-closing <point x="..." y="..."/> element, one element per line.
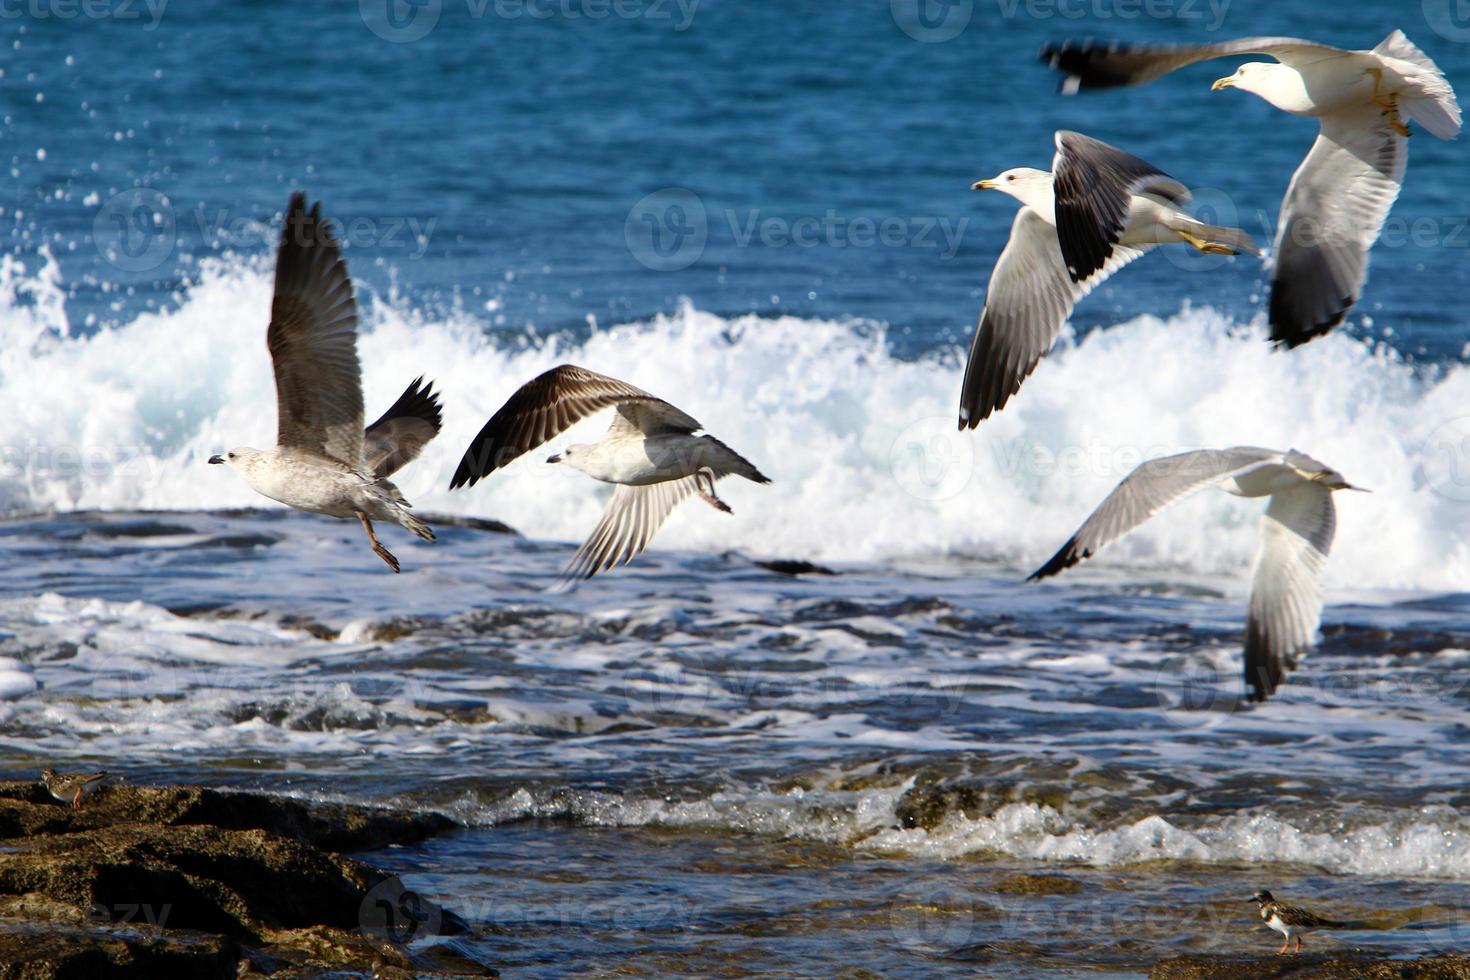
<point x="229" y="455"/>
<point x="1011" y="177"/>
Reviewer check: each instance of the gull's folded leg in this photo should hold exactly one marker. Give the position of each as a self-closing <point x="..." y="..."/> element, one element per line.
<point x="1207" y="247"/>
<point x="378" y="549"/>
<point x="76" y="800"/>
<point x="1388" y="103"/>
<point x="704" y="480"/>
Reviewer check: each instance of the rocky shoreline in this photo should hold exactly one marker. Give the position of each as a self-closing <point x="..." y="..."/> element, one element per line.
<point x="188" y="882"/>
<point x="165" y="882"/>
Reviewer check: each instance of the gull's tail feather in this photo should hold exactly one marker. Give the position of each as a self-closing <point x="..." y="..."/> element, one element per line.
<point x="1434" y="107"/>
<point x="405" y="519"/>
<point x="727" y="462"/>
<point x="396" y="509"/>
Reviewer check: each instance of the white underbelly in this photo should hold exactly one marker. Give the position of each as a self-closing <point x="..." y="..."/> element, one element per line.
<point x="657" y="459"/>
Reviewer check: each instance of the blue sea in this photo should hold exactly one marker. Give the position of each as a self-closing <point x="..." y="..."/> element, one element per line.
<point x="760" y="211"/>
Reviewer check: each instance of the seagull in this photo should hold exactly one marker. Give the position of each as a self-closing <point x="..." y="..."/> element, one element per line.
<point x="71" y="787"/>
<point x="650" y="453"/>
<point x="1341" y="193"/>
<point x="1285" y="605"/>
<point x="324" y="462"/>
<point x="1100" y="209"/>
<point x="1292" y="921"/>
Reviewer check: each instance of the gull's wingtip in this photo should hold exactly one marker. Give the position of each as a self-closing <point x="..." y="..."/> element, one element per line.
<point x="1066" y="556"/>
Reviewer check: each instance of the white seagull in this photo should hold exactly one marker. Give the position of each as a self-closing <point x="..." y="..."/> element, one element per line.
<point x="1341" y="194"/>
<point x="324" y="462"/>
<point x="650" y="453"/>
<point x="1097" y="211"/>
<point x="1285" y="605"/>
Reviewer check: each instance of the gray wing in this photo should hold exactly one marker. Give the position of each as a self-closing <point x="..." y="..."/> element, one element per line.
<point x="1029" y="297"/>
<point x="1147" y="490"/>
<point x="1286" y="600"/>
<point x="313" y="341"/>
<point x="632" y="517"/>
<point x="404" y="430"/>
<point x="1333" y="212"/>
<point x="1102" y="64"/>
<point x="550" y="404"/>
<point x="1094" y="184"/>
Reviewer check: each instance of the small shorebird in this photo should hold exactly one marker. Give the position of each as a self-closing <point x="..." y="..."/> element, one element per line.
<point x="1296" y="532"/>
<point x="71" y="787"/>
<point x="1292" y="921"/>
<point x="1098" y="210"/>
<point x="324" y="461"/>
<point x="650" y="453"/>
<point x="1341" y="193"/>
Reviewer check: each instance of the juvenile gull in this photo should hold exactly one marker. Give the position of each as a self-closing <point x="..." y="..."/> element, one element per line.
<point x="1296" y="532"/>
<point x="650" y="452"/>
<point x="1100" y="209"/>
<point x="1341" y="193"/>
<point x="324" y="462"/>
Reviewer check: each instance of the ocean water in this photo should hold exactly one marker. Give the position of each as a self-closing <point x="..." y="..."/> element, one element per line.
<point x="696" y="765"/>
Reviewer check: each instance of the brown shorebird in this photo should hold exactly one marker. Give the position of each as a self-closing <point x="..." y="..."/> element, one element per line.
<point x="71" y="787"/>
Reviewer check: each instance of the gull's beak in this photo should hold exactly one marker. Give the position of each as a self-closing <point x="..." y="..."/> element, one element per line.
<point x="983" y="185"/>
<point x="216" y="459"/>
<point x="554" y="459"/>
<point x="1222" y="83"/>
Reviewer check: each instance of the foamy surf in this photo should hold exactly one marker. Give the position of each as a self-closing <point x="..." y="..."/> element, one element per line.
<point x="861" y="444"/>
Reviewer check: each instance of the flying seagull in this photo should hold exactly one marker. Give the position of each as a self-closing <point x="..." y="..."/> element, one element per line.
<point x="1097" y="211"/>
<point x="1341" y="194"/>
<point x="324" y="462"/>
<point x="650" y="453"/>
<point x="1292" y="921"/>
<point x="1296" y="532"/>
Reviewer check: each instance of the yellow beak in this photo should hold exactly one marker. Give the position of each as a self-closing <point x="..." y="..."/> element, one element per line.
<point x="983" y="185"/>
<point x="1222" y="83"/>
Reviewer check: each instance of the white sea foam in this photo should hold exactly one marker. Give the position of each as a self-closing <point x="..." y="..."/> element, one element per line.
<point x="862" y="445"/>
<point x="1431" y="843"/>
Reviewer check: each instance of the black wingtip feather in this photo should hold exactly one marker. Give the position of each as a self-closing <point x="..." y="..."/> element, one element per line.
<point x="1066" y="556"/>
<point x="419" y="400"/>
<point x="1264" y="671"/>
<point x="1289" y="328"/>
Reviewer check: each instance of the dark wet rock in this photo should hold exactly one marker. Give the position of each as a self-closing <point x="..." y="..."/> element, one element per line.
<point x="1027" y="884"/>
<point x="794" y="567"/>
<point x="1336" y="966"/>
<point x="142" y="528"/>
<point x="27" y="809"/>
<point x="180" y="881"/>
<point x="57" y="951"/>
<point x="927" y="807"/>
<point x="473" y="523"/>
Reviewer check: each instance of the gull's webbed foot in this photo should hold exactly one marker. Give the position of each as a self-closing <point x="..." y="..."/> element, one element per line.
<point x="704" y="482"/>
<point x="378" y="549"/>
<point x="1208" y="247"/>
